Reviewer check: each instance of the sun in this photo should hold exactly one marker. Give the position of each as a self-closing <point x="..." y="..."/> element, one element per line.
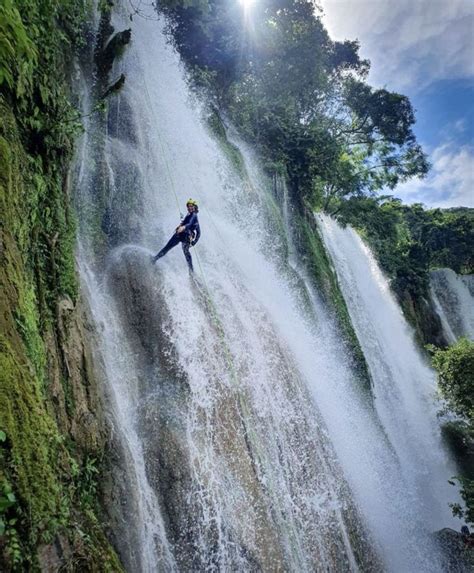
<point x="247" y="3"/>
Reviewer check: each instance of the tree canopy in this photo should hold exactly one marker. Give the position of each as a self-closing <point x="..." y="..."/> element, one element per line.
<point x="299" y="96"/>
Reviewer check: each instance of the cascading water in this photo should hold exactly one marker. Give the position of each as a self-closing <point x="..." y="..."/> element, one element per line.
<point x="453" y="298"/>
<point x="246" y="444"/>
<point x="404" y="386"/>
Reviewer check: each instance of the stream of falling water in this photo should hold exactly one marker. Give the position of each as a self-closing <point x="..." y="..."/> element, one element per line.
<point x="247" y="443"/>
<point x="453" y="298"/>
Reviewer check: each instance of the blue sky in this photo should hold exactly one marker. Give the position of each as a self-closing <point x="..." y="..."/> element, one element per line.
<point x="424" y="49"/>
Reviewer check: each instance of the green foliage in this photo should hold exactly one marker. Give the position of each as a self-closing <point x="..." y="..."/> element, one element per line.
<point x="297" y="95"/>
<point x="409" y="241"/>
<point x="9" y="524"/>
<point x="85" y="480"/>
<point x="455" y="367"/>
<point x="467" y="494"/>
<point x="7" y="500"/>
<point x="447" y="236"/>
<point x="18" y="55"/>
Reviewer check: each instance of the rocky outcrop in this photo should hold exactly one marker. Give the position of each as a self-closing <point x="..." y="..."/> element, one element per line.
<point x="54" y="437"/>
<point x="423" y="317"/>
<point x="459" y="554"/>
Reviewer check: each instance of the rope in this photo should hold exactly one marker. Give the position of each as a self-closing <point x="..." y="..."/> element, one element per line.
<point x="212" y="306"/>
<point x="163" y="152"/>
<point x="213" y="309"/>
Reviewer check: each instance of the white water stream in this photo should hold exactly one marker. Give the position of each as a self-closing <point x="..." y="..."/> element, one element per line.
<point x="249" y="445"/>
<point x="453" y="297"/>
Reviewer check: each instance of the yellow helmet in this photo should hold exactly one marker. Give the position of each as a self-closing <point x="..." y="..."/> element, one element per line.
<point x="191" y="202"/>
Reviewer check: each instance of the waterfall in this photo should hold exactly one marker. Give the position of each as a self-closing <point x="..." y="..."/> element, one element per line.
<point x="453" y="299"/>
<point x="404" y="385"/>
<point x="243" y="441"/>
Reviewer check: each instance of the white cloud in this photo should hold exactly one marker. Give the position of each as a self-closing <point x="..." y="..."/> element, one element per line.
<point x="450" y="182"/>
<point x="411" y="43"/>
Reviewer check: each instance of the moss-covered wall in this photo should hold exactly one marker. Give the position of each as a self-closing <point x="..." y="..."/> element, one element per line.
<point x="314" y="255"/>
<point x="52" y="434"/>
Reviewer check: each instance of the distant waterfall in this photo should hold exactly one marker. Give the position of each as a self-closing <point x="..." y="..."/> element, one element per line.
<point x="244" y="443"/>
<point x="404" y="386"/>
<point x="453" y="298"/>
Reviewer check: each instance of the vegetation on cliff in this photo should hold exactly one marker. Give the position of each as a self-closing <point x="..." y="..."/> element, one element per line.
<point x="297" y="95"/>
<point x="409" y="241"/>
<point x="48" y="456"/>
<point x="455" y="367"/>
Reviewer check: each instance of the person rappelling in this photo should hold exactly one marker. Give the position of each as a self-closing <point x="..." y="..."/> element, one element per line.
<point x="187" y="233"/>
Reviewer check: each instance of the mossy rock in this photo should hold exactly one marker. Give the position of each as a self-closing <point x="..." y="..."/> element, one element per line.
<point x="37" y="465"/>
<point x="313" y="252"/>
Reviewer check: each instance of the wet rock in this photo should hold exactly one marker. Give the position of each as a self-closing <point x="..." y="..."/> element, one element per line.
<point x="77" y="394"/>
<point x="135" y="284"/>
<point x="118" y="491"/>
<point x="113" y="49"/>
<point x="122" y="124"/>
<point x="115" y="87"/>
<point x="458" y="554"/>
<point x="452" y="297"/>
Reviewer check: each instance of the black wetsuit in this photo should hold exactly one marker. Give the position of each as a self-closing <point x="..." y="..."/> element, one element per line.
<point x="189" y="237"/>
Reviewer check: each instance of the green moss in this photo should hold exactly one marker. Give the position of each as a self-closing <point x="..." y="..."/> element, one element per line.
<point x="36" y="452"/>
<point x="276" y="225"/>
<point x="37" y="239"/>
<point x="317" y="261"/>
<point x="27" y="323"/>
<point x="232" y="152"/>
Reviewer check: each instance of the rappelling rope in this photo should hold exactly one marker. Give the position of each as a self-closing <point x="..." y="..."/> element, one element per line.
<point x="213" y="309"/>
<point x="211" y="304"/>
<point x="163" y="152"/>
<point x="170" y="176"/>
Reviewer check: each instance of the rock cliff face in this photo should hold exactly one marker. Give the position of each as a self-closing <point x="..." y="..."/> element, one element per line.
<point x="53" y="434"/>
<point x="51" y="408"/>
<point x="422" y="315"/>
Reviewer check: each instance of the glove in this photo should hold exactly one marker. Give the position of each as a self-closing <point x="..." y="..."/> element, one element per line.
<point x="192" y="243"/>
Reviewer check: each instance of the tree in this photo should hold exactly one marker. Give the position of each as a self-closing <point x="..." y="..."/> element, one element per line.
<point x="300" y="97"/>
<point x="455" y="367"/>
